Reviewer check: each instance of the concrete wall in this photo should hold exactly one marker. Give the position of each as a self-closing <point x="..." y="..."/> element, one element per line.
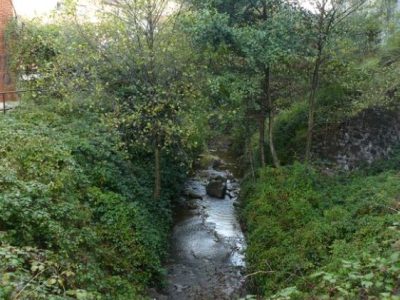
<point x="6" y="80"/>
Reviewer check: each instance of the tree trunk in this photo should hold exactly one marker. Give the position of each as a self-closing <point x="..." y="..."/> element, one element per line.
<point x="263" y="110"/>
<point x="262" y="139"/>
<point x="274" y="155"/>
<point x="249" y="150"/>
<point x="311" y="104"/>
<point x="251" y="159"/>
<point x="267" y="92"/>
<point x="157" y="173"/>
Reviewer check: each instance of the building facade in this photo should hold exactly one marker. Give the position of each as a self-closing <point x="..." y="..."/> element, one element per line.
<point x="7" y="82"/>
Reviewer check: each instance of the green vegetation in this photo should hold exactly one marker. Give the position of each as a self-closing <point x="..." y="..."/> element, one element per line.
<point x="69" y="186"/>
<point x="116" y="112"/>
<point x="321" y="237"/>
<point x="312" y="234"/>
<point x="95" y="155"/>
<point x="323" y="65"/>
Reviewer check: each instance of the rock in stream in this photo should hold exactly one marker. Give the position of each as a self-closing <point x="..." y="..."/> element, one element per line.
<point x="217" y="187"/>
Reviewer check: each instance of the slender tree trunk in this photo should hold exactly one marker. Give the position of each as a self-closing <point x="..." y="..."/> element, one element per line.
<point x="157" y="173"/>
<point x="261" y="125"/>
<point x="152" y="80"/>
<point x="312" y="104"/>
<point x="263" y="109"/>
<point x="275" y="158"/>
<point x="249" y="151"/>
<point x="268" y="101"/>
<point x="262" y="117"/>
<point x="251" y="159"/>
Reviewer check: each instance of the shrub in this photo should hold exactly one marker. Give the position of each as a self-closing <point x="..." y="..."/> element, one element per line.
<point x="71" y="189"/>
<point x="313" y="237"/>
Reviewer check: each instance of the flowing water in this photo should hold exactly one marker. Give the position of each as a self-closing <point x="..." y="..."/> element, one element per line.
<point x="207" y="260"/>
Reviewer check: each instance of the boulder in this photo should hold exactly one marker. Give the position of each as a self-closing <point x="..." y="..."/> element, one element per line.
<point x="193" y="194"/>
<point x="217" y="187"/>
<point x="194" y="190"/>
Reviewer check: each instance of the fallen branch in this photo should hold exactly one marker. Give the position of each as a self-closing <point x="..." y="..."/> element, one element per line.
<point x="258" y="272"/>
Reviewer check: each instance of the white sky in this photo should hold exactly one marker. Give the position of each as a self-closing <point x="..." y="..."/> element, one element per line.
<point x="31" y="8"/>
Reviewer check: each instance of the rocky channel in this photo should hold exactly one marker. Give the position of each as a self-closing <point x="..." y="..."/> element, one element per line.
<point x="207" y="259"/>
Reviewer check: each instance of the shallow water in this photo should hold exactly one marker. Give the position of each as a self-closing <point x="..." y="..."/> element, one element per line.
<point x="207" y="260"/>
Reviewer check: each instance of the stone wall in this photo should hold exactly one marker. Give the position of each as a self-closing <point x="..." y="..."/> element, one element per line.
<point x="6" y="80"/>
<point x="369" y="136"/>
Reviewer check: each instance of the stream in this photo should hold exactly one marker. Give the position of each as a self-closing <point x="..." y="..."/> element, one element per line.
<point x="207" y="243"/>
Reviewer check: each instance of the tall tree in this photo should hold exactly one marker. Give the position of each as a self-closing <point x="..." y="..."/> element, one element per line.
<point x="144" y="66"/>
<point x="325" y="18"/>
<point x="269" y="40"/>
<point x="159" y="77"/>
<point x="257" y="36"/>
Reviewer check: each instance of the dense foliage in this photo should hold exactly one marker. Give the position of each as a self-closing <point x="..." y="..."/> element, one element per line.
<point x="310" y="235"/>
<point x="95" y="155"/>
<point x="116" y="111"/>
<point x="316" y="70"/>
<point x="314" y="236"/>
<point x="69" y="186"/>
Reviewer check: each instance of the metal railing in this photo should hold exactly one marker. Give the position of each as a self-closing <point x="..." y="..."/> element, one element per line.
<point x="16" y="93"/>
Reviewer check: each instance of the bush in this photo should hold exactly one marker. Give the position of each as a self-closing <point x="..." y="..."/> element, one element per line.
<point x="305" y="230"/>
<point x="71" y="189"/>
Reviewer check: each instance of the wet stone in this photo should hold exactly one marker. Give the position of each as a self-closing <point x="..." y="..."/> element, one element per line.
<point x="194" y="190"/>
<point x="217" y="187"/>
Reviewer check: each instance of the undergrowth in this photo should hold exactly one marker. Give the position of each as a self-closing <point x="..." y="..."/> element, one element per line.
<point x="77" y="215"/>
<point x="314" y="236"/>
